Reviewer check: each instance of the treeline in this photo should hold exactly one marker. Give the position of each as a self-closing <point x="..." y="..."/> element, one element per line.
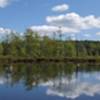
<point x="31" y="44"/>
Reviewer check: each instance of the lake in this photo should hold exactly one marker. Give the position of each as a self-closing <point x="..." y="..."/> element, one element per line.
<point x="49" y="81"/>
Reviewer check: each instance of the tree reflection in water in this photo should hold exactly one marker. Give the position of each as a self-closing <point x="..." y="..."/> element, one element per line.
<point x="62" y="79"/>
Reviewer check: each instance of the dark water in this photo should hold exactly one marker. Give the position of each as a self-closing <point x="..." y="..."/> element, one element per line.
<point x="49" y="82"/>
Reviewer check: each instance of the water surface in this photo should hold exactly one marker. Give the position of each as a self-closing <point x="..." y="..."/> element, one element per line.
<point x="49" y="82"/>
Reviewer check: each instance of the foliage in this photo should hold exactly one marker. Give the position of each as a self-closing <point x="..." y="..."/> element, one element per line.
<point x="31" y="44"/>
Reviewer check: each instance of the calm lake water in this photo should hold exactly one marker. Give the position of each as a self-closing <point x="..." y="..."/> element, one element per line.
<point x="49" y="82"/>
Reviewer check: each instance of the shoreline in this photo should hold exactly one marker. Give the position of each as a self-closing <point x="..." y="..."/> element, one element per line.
<point x="49" y="59"/>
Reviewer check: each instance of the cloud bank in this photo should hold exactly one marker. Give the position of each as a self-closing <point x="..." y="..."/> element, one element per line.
<point x="71" y="22"/>
<point x="75" y="21"/>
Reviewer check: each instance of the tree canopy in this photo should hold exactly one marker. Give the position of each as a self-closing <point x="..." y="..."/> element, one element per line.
<point x="31" y="44"/>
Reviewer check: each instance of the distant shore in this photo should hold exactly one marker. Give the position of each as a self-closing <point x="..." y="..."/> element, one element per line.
<point x="91" y="60"/>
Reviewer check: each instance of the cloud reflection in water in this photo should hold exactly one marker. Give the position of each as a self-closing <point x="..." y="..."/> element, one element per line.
<point x="74" y="87"/>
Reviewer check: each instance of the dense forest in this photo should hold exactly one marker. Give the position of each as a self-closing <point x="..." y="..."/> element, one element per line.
<point x="31" y="44"/>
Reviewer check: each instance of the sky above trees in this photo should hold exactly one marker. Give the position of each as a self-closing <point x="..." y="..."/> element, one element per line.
<point x="79" y="19"/>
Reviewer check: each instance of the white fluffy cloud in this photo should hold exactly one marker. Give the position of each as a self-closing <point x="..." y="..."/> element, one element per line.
<point x="74" y="21"/>
<point x="44" y="28"/>
<point x="5" y="30"/>
<point x="4" y="3"/>
<point x="60" y="8"/>
<point x="48" y="29"/>
<point x="69" y="23"/>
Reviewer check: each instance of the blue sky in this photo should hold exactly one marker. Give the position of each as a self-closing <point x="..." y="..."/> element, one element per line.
<point x="21" y="14"/>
